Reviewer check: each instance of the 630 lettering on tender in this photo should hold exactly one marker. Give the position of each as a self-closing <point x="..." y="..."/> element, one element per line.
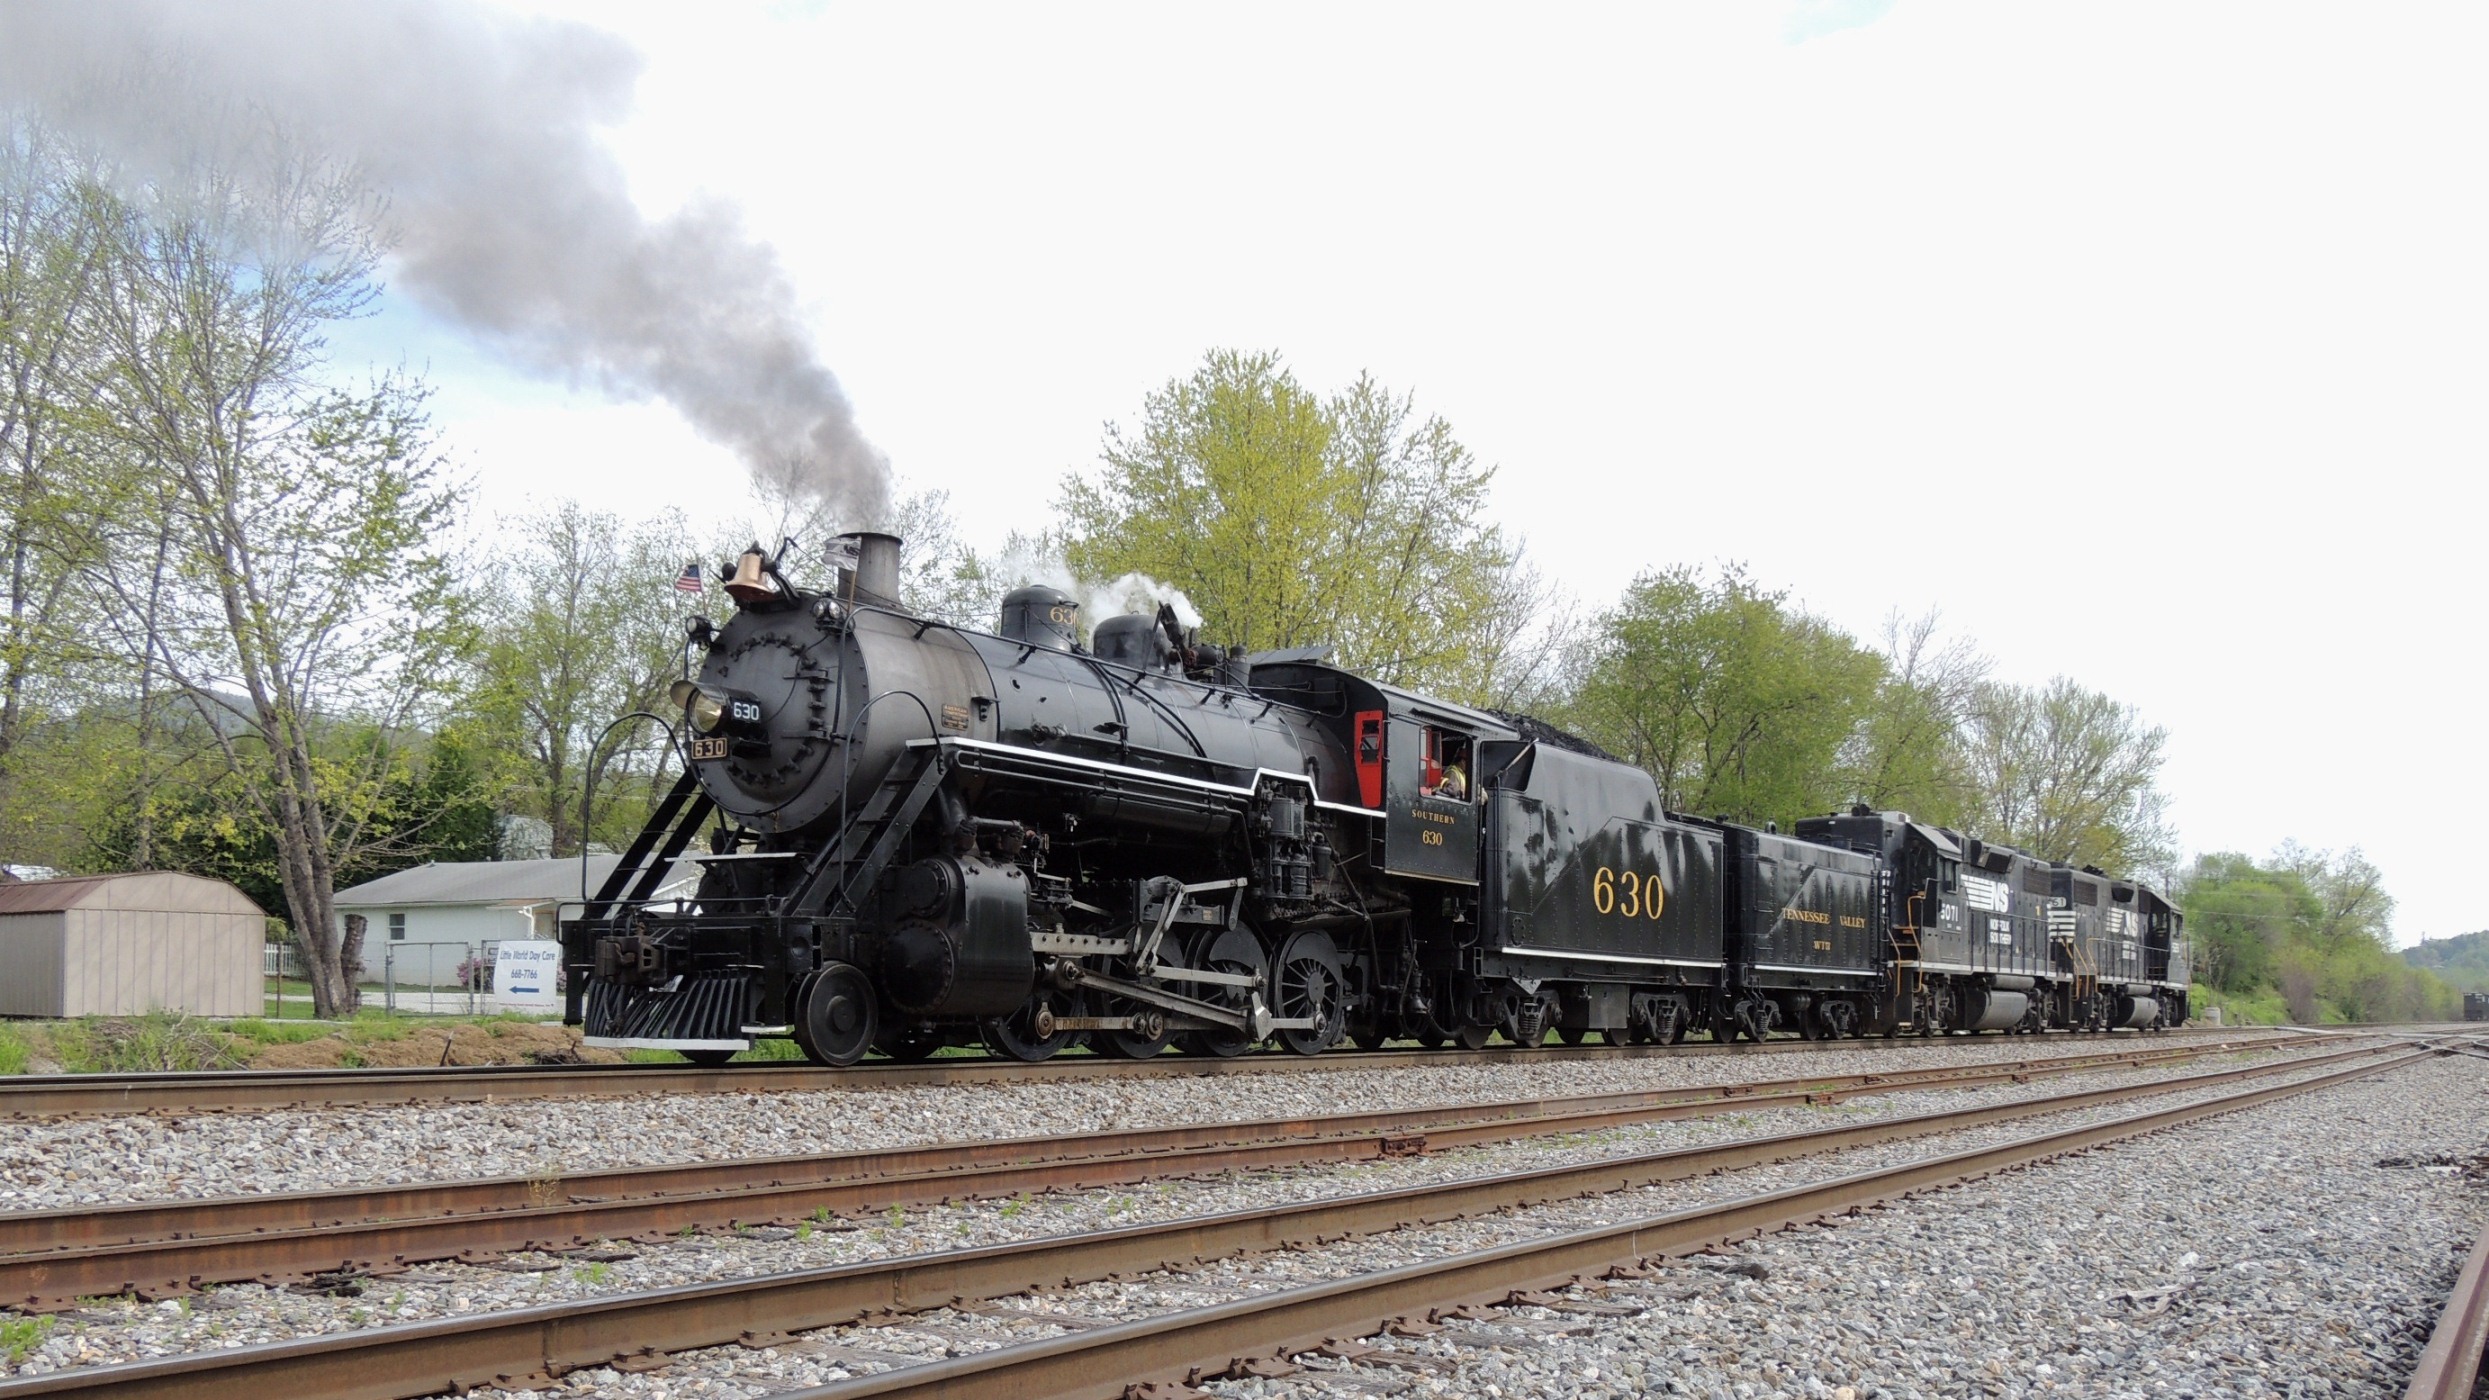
<point x="1628" y="894"/>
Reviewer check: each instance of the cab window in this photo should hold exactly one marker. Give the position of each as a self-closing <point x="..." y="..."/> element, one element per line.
<point x="1449" y="772"/>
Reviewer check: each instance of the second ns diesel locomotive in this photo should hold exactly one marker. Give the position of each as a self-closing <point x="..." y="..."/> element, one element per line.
<point x="911" y="834"/>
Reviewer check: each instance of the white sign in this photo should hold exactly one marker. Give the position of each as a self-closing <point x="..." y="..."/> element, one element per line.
<point x="525" y="975"/>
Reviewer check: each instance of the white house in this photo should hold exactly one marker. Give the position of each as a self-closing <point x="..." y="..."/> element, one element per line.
<point x="420" y="924"/>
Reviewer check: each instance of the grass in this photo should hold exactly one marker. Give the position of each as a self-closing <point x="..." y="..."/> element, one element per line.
<point x="2264" y="1008"/>
<point x="19" y="1336"/>
<point x="261" y="1032"/>
<point x="159" y="1040"/>
<point x="173" y="1040"/>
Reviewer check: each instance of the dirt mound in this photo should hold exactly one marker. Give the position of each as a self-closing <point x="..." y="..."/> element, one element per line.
<point x="495" y="1043"/>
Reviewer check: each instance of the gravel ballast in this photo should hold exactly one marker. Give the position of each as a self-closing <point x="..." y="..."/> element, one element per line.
<point x="90" y="1161"/>
<point x="237" y="1316"/>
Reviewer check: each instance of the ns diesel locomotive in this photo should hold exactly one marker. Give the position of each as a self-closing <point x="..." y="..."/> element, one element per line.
<point x="910" y="834"/>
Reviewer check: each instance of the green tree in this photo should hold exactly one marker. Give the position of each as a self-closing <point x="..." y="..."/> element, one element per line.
<point x="2241" y="916"/>
<point x="287" y="567"/>
<point x="1736" y="703"/>
<point x="2463" y="960"/>
<point x="1907" y="752"/>
<point x="1289" y="519"/>
<point x="2313" y="928"/>
<point x="432" y="802"/>
<point x="2067" y="774"/>
<point x="583" y="627"/>
<point x="53" y="234"/>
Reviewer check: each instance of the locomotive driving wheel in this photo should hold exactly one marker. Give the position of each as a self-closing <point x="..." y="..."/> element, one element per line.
<point x="1029" y="1034"/>
<point x="1235" y="951"/>
<point x="1310" y="985"/>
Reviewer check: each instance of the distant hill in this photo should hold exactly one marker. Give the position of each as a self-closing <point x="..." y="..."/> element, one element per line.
<point x="2462" y="960"/>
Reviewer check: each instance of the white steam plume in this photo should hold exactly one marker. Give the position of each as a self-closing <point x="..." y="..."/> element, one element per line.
<point x="510" y="218"/>
<point x="1022" y="564"/>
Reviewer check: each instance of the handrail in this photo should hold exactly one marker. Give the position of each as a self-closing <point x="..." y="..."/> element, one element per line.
<point x="587" y="785"/>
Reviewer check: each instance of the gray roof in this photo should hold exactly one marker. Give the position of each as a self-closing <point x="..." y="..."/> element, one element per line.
<point x="146" y="891"/>
<point x="489" y="882"/>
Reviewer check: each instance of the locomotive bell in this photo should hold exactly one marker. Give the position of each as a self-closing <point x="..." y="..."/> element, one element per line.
<point x="752" y="582"/>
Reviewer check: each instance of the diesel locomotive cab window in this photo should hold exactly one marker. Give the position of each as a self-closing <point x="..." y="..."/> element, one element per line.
<point x="1447" y="765"/>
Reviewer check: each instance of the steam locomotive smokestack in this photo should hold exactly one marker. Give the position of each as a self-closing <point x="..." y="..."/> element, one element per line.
<point x="868" y="567"/>
<point x="511" y="218"/>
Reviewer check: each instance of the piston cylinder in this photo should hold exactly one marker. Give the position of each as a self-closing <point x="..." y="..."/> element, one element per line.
<point x="956" y="940"/>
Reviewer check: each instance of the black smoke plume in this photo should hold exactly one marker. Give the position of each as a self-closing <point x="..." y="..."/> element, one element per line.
<point x="508" y="216"/>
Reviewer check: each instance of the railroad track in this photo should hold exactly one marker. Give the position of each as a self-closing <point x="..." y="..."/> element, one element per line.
<point x="51" y="1259"/>
<point x="1256" y="1335"/>
<point x="210" y="1091"/>
<point x="524" y="1346"/>
<point x="2451" y="1365"/>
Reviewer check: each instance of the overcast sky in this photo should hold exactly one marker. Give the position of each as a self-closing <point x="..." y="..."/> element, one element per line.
<point x="2144" y="340"/>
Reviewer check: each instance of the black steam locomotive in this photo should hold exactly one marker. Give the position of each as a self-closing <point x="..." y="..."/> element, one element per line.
<point x="912" y="834"/>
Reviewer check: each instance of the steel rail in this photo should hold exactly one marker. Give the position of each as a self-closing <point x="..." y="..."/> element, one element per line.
<point x="50" y="1259"/>
<point x="1102" y="1363"/>
<point x="2450" y="1366"/>
<point x="513" y="1346"/>
<point x="201" y="1091"/>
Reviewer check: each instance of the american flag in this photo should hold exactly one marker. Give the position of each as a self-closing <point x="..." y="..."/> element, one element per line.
<point x="688" y="581"/>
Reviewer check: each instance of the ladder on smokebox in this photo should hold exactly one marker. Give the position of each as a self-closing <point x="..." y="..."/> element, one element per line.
<point x="844" y="871"/>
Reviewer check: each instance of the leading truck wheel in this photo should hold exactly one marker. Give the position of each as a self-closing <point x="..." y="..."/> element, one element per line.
<point x="835" y="1022"/>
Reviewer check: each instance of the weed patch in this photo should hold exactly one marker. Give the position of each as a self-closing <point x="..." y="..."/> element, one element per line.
<point x="159" y="1040"/>
<point x="19" y="1336"/>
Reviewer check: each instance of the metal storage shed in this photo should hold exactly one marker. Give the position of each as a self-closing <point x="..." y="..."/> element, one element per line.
<point x="119" y="945"/>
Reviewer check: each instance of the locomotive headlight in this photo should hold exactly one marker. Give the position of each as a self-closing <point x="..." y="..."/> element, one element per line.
<point x="704" y="709"/>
